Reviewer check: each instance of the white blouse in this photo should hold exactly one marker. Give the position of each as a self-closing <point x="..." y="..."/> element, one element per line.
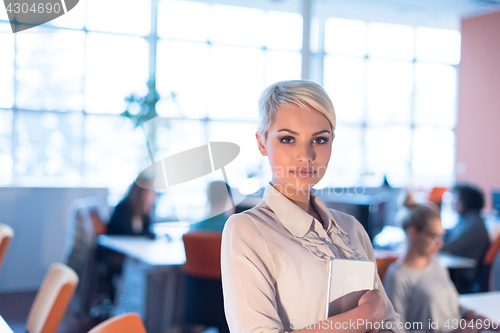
<point x="274" y="264"/>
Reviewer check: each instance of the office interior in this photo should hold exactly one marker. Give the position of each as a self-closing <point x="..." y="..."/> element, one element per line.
<point x="414" y="85"/>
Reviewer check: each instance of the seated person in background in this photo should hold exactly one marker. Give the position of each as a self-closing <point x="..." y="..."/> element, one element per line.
<point x="220" y="208"/>
<point x="419" y="288"/>
<point x="469" y="238"/>
<point x="132" y="215"/>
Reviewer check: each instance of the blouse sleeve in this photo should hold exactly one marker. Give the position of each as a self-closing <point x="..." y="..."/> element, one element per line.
<point x="247" y="279"/>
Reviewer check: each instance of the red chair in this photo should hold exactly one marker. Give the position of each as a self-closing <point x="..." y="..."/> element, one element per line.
<point x="125" y="323"/>
<point x="52" y="299"/>
<point x="203" y="299"/>
<point x="6" y="234"/>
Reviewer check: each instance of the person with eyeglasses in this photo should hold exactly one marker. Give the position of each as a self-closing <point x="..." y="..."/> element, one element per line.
<point x="418" y="286"/>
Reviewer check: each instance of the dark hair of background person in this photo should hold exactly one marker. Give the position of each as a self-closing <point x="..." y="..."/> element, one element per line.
<point x="416" y="215"/>
<point x="135" y="196"/>
<point x="471" y="197"/>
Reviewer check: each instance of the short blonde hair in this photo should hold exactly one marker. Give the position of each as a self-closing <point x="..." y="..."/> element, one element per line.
<point x="301" y="93"/>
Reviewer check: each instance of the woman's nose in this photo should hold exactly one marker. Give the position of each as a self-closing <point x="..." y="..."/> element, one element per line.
<point x="306" y="153"/>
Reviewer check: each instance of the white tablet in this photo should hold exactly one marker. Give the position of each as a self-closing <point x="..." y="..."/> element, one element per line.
<point x="348" y="280"/>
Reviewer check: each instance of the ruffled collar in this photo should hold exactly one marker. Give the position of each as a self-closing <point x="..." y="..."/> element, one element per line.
<point x="324" y="241"/>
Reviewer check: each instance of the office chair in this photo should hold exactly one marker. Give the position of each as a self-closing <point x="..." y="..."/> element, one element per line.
<point x="124" y="323"/>
<point x="203" y="299"/>
<point x="6" y="234"/>
<point x="88" y="219"/>
<point x="383" y="264"/>
<point x="52" y="299"/>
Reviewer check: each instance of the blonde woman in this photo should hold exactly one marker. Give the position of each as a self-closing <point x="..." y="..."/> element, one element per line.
<point x="274" y="255"/>
<point x="419" y="288"/>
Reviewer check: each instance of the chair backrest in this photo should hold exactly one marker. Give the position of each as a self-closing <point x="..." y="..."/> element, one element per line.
<point x="6" y="234"/>
<point x="383" y="264"/>
<point x="88" y="218"/>
<point x="203" y="254"/>
<point x="125" y="323"/>
<point x="492" y="252"/>
<point x="52" y="299"/>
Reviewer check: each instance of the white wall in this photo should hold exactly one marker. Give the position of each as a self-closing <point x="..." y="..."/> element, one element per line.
<point x="39" y="217"/>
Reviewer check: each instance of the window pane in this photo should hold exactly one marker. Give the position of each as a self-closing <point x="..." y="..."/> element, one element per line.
<point x="116" y="67"/>
<point x="283" y="31"/>
<point x="50" y="70"/>
<point x="388" y="154"/>
<point x="121" y="16"/>
<point x="6" y="66"/>
<point x="5" y="147"/>
<point x="236" y="81"/>
<point x="433" y="156"/>
<point x="344" y="80"/>
<point x="176" y="136"/>
<point x="49" y="146"/>
<point x="3" y="16"/>
<point x="281" y="66"/>
<point x="237" y="26"/>
<point x="183" y="20"/>
<point x="343" y="36"/>
<point x="114" y="153"/>
<point x="243" y="134"/>
<point x="390" y="40"/>
<point x="182" y="68"/>
<point x="346" y="163"/>
<point x="389" y="91"/>
<point x="435" y="94"/>
<point x="75" y="18"/>
<point x="441" y="45"/>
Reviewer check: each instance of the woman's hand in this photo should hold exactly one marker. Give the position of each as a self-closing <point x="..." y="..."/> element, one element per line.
<point x="372" y="303"/>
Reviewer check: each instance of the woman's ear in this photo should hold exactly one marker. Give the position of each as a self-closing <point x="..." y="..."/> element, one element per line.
<point x="261" y="144"/>
<point x="411" y="232"/>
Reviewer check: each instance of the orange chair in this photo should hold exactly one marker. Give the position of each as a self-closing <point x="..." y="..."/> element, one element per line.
<point x="492" y="252"/>
<point x="383" y="264"/>
<point x="124" y="323"/>
<point x="52" y="299"/>
<point x="6" y="234"/>
<point x="436" y="195"/>
<point x="203" y="301"/>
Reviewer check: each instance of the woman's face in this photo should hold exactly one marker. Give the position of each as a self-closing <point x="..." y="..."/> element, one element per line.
<point x="429" y="240"/>
<point x="299" y="145"/>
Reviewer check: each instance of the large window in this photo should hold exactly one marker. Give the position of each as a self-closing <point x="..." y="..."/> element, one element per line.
<point x="63" y="84"/>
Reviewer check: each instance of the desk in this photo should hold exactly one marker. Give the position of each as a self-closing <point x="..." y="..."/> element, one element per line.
<point x="4" y="327"/>
<point x="487" y="304"/>
<point x="150" y="279"/>
<point x="446" y="260"/>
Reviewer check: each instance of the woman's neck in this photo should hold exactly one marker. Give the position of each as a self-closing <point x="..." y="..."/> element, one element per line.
<point x="299" y="197"/>
<point x="415" y="260"/>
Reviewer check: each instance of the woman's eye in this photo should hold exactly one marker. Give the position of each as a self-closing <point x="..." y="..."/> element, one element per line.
<point x="321" y="140"/>
<point x="286" y="139"/>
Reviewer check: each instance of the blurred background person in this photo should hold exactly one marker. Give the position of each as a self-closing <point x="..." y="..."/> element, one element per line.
<point x="220" y="208"/>
<point x="419" y="288"/>
<point x="469" y="238"/>
<point x="131" y="217"/>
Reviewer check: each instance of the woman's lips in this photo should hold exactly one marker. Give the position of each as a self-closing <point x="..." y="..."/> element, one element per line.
<point x="304" y="172"/>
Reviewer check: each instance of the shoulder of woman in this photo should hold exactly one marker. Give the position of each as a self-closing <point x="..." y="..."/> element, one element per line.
<point x="347" y="222"/>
